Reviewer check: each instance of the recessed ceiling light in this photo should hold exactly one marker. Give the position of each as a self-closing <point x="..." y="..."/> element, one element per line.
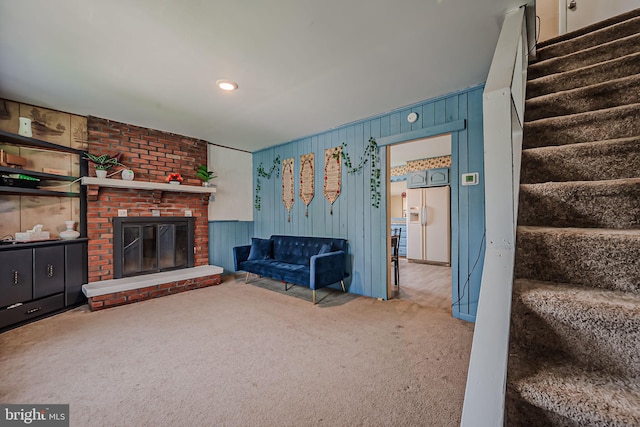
<point x="226" y="84"/>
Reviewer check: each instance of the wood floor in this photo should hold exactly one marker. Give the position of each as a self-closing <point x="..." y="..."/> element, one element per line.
<point x="424" y="284"/>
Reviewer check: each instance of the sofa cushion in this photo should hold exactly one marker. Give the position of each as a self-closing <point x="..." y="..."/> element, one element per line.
<point x="260" y="249"/>
<point x="290" y="273"/>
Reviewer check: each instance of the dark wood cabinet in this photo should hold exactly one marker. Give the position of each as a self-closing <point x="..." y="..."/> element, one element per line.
<point x="41" y="278"/>
<point x="30" y="310"/>
<point x="48" y="271"/>
<point x="76" y="273"/>
<point x="16" y="277"/>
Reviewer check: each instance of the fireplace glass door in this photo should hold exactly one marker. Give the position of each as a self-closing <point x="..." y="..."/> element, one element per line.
<point x="152" y="247"/>
<point x="172" y="246"/>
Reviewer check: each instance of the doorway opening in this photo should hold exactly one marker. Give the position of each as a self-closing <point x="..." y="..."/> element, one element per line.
<point x="577" y="14"/>
<point x="419" y="209"/>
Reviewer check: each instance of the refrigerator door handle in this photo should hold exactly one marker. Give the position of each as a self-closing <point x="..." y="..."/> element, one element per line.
<point x="423" y="215"/>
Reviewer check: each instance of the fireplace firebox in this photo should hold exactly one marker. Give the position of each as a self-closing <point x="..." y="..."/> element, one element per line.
<point x="144" y="245"/>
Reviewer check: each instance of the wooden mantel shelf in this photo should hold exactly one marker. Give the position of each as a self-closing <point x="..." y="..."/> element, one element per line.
<point x="145" y="185"/>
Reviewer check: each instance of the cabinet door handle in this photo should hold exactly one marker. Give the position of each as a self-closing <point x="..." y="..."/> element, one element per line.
<point x="15" y="277"/>
<point x="50" y="270"/>
<point x="33" y="310"/>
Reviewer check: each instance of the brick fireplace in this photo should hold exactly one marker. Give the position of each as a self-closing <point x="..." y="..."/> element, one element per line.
<point x="152" y="155"/>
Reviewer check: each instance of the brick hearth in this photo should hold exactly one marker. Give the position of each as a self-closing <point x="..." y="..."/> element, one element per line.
<point x="152" y="155"/>
<point x="111" y="293"/>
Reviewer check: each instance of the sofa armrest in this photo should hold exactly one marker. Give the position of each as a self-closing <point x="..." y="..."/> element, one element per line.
<point x="240" y="254"/>
<point x="327" y="269"/>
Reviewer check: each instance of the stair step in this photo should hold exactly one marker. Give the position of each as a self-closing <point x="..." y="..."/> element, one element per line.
<point x="599" y="96"/>
<point x="591" y="28"/>
<point x="575" y="314"/>
<point x="585" y="204"/>
<point x="567" y="396"/>
<point x="588" y="161"/>
<point x="595" y="55"/>
<point x="594" y="38"/>
<point x="593" y="257"/>
<point x="592" y="74"/>
<point x="611" y="123"/>
<point x="597" y="328"/>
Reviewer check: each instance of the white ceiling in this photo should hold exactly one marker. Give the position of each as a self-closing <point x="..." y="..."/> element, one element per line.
<point x="302" y="66"/>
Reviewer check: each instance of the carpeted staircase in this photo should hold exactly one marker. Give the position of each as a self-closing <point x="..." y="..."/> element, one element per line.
<point x="574" y="356"/>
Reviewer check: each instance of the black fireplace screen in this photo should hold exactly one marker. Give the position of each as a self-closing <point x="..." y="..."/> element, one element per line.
<point x="144" y="245"/>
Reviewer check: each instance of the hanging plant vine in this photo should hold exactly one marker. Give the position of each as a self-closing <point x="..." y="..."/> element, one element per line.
<point x="262" y="173"/>
<point x="370" y="155"/>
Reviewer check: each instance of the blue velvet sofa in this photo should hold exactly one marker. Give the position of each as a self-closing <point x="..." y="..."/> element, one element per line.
<point x="315" y="262"/>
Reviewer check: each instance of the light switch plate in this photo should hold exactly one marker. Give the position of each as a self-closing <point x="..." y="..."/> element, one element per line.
<point x="470" y="178"/>
<point x="122" y="212"/>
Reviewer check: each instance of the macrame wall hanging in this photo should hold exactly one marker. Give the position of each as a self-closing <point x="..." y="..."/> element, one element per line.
<point x="332" y="174"/>
<point x="307" y="176"/>
<point x="288" y="186"/>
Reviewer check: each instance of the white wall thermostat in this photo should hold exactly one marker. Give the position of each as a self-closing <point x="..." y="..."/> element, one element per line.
<point x="470" y="178"/>
<point x="412" y="117"/>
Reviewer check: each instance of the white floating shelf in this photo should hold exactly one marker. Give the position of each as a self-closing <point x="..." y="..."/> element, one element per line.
<point x="145" y="185"/>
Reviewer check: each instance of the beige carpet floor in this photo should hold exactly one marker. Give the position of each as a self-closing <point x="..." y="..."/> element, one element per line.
<point x="244" y="355"/>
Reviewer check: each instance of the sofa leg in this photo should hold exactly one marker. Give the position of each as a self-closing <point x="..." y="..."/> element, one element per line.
<point x="285" y="286"/>
<point x="342" y="283"/>
<point x="313" y="296"/>
<point x="246" y="278"/>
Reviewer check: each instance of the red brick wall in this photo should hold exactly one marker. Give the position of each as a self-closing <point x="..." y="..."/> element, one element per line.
<point x="152" y="155"/>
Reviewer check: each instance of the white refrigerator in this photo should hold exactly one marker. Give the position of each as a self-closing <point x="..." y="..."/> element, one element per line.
<point x="429" y="225"/>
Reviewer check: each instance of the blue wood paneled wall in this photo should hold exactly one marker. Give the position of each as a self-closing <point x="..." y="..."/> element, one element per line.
<point x="365" y="226"/>
<point x="223" y="236"/>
